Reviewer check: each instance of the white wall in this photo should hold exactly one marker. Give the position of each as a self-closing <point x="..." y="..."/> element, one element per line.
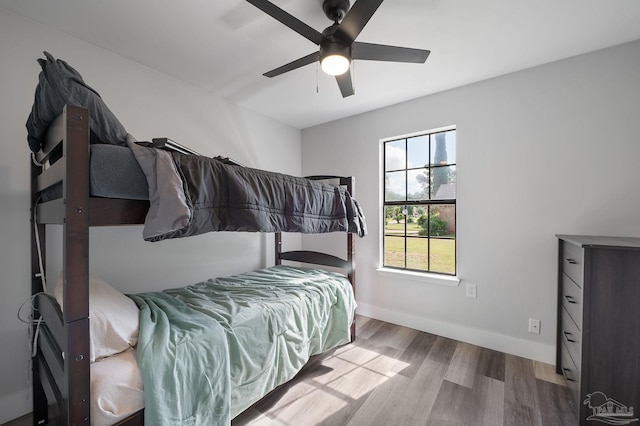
<point x="553" y="149"/>
<point x="150" y="105"/>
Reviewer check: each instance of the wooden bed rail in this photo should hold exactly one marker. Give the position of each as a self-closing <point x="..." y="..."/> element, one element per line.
<point x="316" y="258"/>
<point x="52" y="338"/>
<point x="52" y="140"/>
<point x="72" y="169"/>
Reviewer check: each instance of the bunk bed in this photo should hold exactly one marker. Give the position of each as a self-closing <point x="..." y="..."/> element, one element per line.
<point x="62" y="362"/>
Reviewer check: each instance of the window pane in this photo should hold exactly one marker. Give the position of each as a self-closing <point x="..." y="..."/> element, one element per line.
<point x="442" y="220"/>
<point x="418" y="184"/>
<point x="418" y="151"/>
<point x="418" y="253"/>
<point x="442" y="257"/>
<point x="395" y="186"/>
<point x="395" y="156"/>
<point x="419" y="215"/>
<point x="443" y="148"/>
<point x="443" y="183"/>
<point x="412" y="216"/>
<point x="394" y="251"/>
<point x="394" y="220"/>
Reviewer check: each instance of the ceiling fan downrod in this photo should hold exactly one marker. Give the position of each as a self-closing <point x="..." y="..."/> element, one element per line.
<point x="336" y="9"/>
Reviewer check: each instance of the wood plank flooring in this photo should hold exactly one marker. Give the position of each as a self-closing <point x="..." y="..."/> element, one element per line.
<point x="394" y="375"/>
<point x="397" y="376"/>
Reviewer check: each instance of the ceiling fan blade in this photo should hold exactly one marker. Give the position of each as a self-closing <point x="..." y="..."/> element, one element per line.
<point x="356" y="19"/>
<point x="382" y="52"/>
<point x="345" y="83"/>
<point x="305" y="60"/>
<point x="289" y="20"/>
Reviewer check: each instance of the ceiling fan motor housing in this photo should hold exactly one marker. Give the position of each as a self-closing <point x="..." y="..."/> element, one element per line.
<point x="335" y="9"/>
<point x="333" y="45"/>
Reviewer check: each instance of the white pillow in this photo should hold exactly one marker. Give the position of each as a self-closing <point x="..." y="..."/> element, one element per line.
<point x="114" y="319"/>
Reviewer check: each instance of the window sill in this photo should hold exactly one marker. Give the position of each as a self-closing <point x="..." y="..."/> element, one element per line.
<point x="424" y="277"/>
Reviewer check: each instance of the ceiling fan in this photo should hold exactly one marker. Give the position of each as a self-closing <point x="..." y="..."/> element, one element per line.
<point x="337" y="42"/>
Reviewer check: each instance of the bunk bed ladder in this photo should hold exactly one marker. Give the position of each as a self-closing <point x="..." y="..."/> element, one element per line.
<point x="61" y="367"/>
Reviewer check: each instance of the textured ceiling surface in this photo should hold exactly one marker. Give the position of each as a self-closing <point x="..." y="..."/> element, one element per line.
<point x="224" y="46"/>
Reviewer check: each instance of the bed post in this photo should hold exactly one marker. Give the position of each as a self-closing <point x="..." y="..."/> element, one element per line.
<point x="351" y="258"/>
<point x="351" y="253"/>
<point x="76" y="264"/>
<point x="278" y="244"/>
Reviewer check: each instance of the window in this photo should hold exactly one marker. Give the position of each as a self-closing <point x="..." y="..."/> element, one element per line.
<point x="420" y="202"/>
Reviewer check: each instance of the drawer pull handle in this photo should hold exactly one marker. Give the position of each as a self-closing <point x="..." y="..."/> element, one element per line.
<point x="570" y="299"/>
<point x="567" y="335"/>
<point x="572" y="261"/>
<point x="565" y="373"/>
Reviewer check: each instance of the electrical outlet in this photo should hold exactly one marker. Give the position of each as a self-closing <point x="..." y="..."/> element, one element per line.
<point x="534" y="326"/>
<point x="471" y="290"/>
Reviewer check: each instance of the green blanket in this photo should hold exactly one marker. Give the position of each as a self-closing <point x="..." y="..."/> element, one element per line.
<point x="209" y="351"/>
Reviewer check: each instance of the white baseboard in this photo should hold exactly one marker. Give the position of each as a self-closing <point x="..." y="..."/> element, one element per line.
<point x="487" y="339"/>
<point x="15" y="405"/>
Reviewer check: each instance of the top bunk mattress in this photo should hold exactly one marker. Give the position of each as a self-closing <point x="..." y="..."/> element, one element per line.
<point x="113" y="173"/>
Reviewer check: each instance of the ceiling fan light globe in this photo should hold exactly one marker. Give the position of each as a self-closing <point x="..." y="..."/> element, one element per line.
<point x="335" y="64"/>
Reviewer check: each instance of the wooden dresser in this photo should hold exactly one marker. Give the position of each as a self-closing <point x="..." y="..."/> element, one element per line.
<point x="598" y="342"/>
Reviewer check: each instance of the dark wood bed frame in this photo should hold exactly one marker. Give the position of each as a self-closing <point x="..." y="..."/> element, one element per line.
<point x="61" y="371"/>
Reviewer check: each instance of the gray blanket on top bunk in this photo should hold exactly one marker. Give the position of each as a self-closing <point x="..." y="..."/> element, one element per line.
<point x="191" y="195"/>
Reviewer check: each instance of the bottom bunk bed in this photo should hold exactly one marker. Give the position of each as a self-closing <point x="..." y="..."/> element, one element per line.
<point x="199" y="338"/>
<point x="204" y="353"/>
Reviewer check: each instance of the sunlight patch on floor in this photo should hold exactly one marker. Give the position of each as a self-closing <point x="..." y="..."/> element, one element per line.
<point x="352" y="373"/>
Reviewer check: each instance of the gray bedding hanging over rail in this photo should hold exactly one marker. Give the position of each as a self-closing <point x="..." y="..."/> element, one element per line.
<point x="191" y="195"/>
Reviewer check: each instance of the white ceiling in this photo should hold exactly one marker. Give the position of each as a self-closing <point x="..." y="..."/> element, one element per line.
<point x="224" y="46"/>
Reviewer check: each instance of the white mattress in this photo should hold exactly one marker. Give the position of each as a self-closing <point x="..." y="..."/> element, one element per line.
<point x="116" y="389"/>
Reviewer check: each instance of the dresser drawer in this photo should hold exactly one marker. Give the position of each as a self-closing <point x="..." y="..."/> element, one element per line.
<point x="572" y="299"/>
<point x="571" y="374"/>
<point x="572" y="262"/>
<point x="571" y="337"/>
